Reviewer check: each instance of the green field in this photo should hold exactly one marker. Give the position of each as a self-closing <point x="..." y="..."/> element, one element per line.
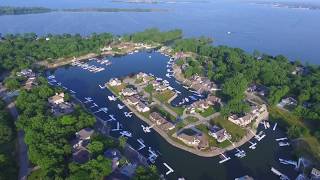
<point x="208" y="112"/>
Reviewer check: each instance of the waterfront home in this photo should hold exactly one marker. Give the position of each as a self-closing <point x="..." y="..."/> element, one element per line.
<point x="114" y="82"/>
<point x="257" y="113"/>
<point x="204" y="142"/>
<point x="79" y="152"/>
<point x="155" y="83"/>
<point x="132" y="100"/>
<point x="299" y="70"/>
<point x="114" y="155"/>
<point x="190" y="140"/>
<point x="30" y="83"/>
<point x="142" y="75"/>
<point x="201" y="84"/>
<point x="128" y="92"/>
<point x="200" y="105"/>
<point x="157" y="118"/>
<point x="218" y="133"/>
<point x="26" y="73"/>
<point x="213" y="100"/>
<point x="141" y="107"/>
<point x="62" y="109"/>
<point x="161" y="88"/>
<point x="168" y="126"/>
<point x="289" y="101"/>
<point x="257" y="88"/>
<point x="56" y="99"/>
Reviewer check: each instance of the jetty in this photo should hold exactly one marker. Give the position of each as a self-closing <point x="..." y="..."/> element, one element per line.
<point x="152" y="156"/>
<point x="275" y="126"/>
<point x="118" y="127"/>
<point x="170" y="170"/>
<point x="278" y="173"/>
<point x="253" y="145"/>
<point x="224" y="158"/>
<point x="141" y="142"/>
<point x="288" y="162"/>
<point x="282" y="139"/>
<point x="240" y="153"/>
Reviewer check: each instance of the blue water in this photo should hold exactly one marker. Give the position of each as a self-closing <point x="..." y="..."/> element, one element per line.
<point x="257" y="163"/>
<point x="291" y="32"/>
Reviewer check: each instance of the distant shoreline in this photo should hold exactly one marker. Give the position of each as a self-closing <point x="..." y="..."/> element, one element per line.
<point x="12" y="10"/>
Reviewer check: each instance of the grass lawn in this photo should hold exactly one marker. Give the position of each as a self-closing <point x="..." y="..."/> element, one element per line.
<point x="149" y="88"/>
<point x="236" y="131"/>
<point x="212" y="141"/>
<point x="117" y="89"/>
<point x="190" y="120"/>
<point x="178" y="110"/>
<point x="164" y="96"/>
<point x="164" y="113"/>
<point x="208" y="112"/>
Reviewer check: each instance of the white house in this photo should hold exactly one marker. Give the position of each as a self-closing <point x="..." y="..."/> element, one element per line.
<point x="114" y="82"/>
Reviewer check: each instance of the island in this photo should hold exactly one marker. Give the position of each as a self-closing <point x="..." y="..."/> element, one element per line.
<point x="10" y="10"/>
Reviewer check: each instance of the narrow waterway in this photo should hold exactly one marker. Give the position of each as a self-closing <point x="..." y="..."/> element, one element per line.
<point x="257" y="163"/>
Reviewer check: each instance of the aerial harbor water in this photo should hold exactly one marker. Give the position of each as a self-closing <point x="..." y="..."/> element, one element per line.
<point x="85" y="86"/>
<point x="291" y="32"/>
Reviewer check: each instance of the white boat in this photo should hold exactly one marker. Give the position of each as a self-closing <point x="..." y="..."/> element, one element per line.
<point x="193" y="98"/>
<point x="51" y="77"/>
<point x="282" y="139"/>
<point x="112" y="98"/>
<point x="102" y="87"/>
<point x="178" y="92"/>
<point x="282" y="144"/>
<point x="146" y="129"/>
<point x="186" y="99"/>
<point x="128" y="114"/>
<point x="240" y="153"/>
<point x="126" y="133"/>
<point x="120" y="106"/>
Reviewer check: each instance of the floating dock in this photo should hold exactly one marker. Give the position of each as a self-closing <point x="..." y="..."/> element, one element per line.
<point x="141" y="142"/>
<point x="278" y="173"/>
<point x="224" y="158"/>
<point x="170" y="170"/>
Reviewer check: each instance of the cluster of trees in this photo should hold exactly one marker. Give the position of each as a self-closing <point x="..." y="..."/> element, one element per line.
<point x="236" y="69"/>
<point x="8" y="166"/>
<point x="149" y="173"/>
<point x="21" y="51"/>
<point x="48" y="138"/>
<point x="7" y="10"/>
<point x="154" y="36"/>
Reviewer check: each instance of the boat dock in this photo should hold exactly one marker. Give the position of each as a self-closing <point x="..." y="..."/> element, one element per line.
<point x="275" y="126"/>
<point x="278" y="173"/>
<point x="141" y="142"/>
<point x="288" y="162"/>
<point x="224" y="158"/>
<point x="170" y="170"/>
<point x="282" y="139"/>
<point x="152" y="156"/>
<point x="253" y="145"/>
<point x="118" y="127"/>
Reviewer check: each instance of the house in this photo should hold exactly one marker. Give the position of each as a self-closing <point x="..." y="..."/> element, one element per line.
<point x="315" y="174"/>
<point x="62" y="109"/>
<point x="56" y="99"/>
<point x="161" y="88"/>
<point x="218" y="133"/>
<point x="204" y="142"/>
<point x="213" y="100"/>
<point x="289" y="101"/>
<point x="157" y="118"/>
<point x="84" y="134"/>
<point x="189" y="140"/>
<point x="114" y="82"/>
<point x="200" y="105"/>
<point x="32" y="81"/>
<point x="168" y="126"/>
<point x="128" y="92"/>
<point x="257" y="113"/>
<point x="132" y="100"/>
<point x="142" y="107"/>
<point x="141" y="75"/>
<point x="26" y="73"/>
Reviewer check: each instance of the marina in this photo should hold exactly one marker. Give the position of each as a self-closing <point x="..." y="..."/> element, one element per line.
<point x="143" y="137"/>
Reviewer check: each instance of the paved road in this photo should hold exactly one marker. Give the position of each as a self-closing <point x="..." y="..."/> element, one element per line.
<point x="23" y="150"/>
